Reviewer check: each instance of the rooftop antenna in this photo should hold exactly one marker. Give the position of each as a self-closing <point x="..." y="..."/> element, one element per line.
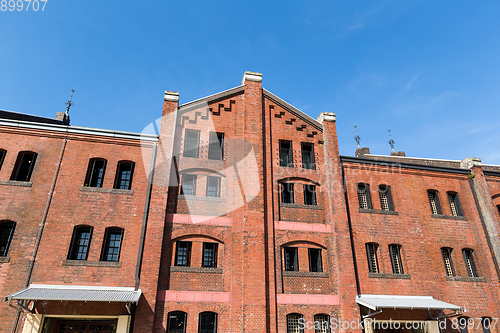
<point x="69" y="103"/>
<point x="357" y="138"/>
<point x="391" y="141"/>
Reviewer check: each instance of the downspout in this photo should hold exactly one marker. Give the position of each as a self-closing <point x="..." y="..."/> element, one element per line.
<point x="145" y="217"/>
<point x="40" y="230"/>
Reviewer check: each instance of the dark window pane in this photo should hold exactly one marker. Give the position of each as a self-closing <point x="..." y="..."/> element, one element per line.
<point x="188" y="186"/>
<point x="293" y="323"/>
<point x="213" y="186"/>
<point x="176" y="322"/>
<point x="95" y="173"/>
<point x="470" y="263"/>
<point x="2" y="157"/>
<point x="310" y="195"/>
<point x="315" y="264"/>
<point x="321" y="324"/>
<point x="208" y="322"/>
<point x="80" y="243"/>
<point x="24" y="166"/>
<point x="434" y="202"/>
<point x="364" y="196"/>
<point x="112" y="245"/>
<point x="216" y="146"/>
<point x="124" y="174"/>
<point x="308" y="156"/>
<point x="291" y="259"/>
<point x="183" y="253"/>
<point x="286" y="193"/>
<point x="209" y="255"/>
<point x="448" y="263"/>
<point x="371" y="252"/>
<point x="286" y="157"/>
<point x="191" y="143"/>
<point x="6" y="232"/>
<point x="397" y="267"/>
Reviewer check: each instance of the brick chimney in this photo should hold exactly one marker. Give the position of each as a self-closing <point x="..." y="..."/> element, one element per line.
<point x="361" y="152"/>
<point x="63" y="116"/>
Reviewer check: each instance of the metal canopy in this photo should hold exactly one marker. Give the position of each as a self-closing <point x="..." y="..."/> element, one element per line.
<point x="376" y="302"/>
<point x="76" y="293"/>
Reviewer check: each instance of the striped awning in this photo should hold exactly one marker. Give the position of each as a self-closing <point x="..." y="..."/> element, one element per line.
<point x="76" y="293"/>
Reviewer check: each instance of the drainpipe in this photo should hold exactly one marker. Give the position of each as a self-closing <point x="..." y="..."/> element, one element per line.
<point x="15" y="328"/>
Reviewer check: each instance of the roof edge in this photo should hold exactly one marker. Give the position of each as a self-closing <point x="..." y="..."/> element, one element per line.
<point x="215" y="96"/>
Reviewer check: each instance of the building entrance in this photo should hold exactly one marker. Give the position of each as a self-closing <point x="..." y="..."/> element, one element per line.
<point x="84" y="326"/>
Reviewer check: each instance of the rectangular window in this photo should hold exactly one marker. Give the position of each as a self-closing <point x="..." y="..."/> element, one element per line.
<point x="209" y="255"/>
<point x="286" y="156"/>
<point x="310" y="195"/>
<point x="176" y="322"/>
<point x="364" y="198"/>
<point x="95" y="172"/>
<point x="112" y="245"/>
<point x="371" y="253"/>
<point x="395" y="252"/>
<point x="315" y="262"/>
<point x="293" y="323"/>
<point x="286" y="193"/>
<point x="182" y="253"/>
<point x="321" y="323"/>
<point x="216" y="146"/>
<point x="24" y="166"/>
<point x="469" y="262"/>
<point x="213" y="186"/>
<point x="448" y="263"/>
<point x="124" y="173"/>
<point x="385" y="198"/>
<point x="456" y="208"/>
<point x="6" y="232"/>
<point x="2" y="157"/>
<point x="291" y="259"/>
<point x="207" y="322"/>
<point x="434" y="202"/>
<point x="80" y="243"/>
<point x="188" y="186"/>
<point x="308" y="156"/>
<point x="191" y="143"/>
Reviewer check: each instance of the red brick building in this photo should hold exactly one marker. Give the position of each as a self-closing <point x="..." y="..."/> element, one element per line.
<point x="238" y="215"/>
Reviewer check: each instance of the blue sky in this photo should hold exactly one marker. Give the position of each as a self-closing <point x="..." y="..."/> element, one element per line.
<point x="429" y="70"/>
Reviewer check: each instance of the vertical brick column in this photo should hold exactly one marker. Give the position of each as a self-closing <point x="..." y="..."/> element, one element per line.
<point x="336" y="215"/>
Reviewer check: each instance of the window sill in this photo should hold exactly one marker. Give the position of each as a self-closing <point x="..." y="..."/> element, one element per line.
<point x="200" y="198"/>
<point x="305" y="274"/>
<point x="91" y="263"/>
<point x="105" y="190"/>
<point x="196" y="269"/>
<point x="389" y="276"/>
<point x="449" y="217"/>
<point x="15" y="183"/>
<point x="4" y="260"/>
<point x="465" y="279"/>
<point x="292" y="205"/>
<point x="378" y="211"/>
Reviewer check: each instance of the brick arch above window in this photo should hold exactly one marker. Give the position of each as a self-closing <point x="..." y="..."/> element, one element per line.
<point x="198" y="237"/>
<point x="286" y="240"/>
<point x="298" y="180"/>
<point x="303" y="243"/>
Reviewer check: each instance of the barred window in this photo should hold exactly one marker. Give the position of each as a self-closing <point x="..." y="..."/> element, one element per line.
<point x="371" y="253"/>
<point x="292" y="323"/>
<point x="124" y="174"/>
<point x="364" y="196"/>
<point x="395" y="252"/>
<point x="315" y="262"/>
<point x="209" y="255"/>
<point x="434" y="202"/>
<point x="448" y="263"/>
<point x="286" y="192"/>
<point x="112" y="244"/>
<point x="310" y="195"/>
<point x="207" y="322"/>
<point x="24" y="166"/>
<point x="286" y="157"/>
<point x="80" y="243"/>
<point x="486" y="324"/>
<point x="456" y="208"/>
<point x="291" y="258"/>
<point x="183" y="253"/>
<point x="191" y="143"/>
<point x="470" y="263"/>
<point x="308" y="156"/>
<point x="3" y="152"/>
<point x="95" y="172"/>
<point x="6" y="232"/>
<point x="216" y="146"/>
<point x="321" y="323"/>
<point x="176" y="322"/>
<point x="188" y="185"/>
<point x="386" y="202"/>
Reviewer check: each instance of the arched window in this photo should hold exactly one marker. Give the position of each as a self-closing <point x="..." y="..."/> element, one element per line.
<point x="371" y="253"/>
<point x="95" y="172"/>
<point x="456" y="208"/>
<point x="434" y="202"/>
<point x="364" y="198"/>
<point x="293" y="323"/>
<point x="124" y="175"/>
<point x="470" y="262"/>
<point x="463" y="323"/>
<point x="321" y="323"/>
<point x="208" y="322"/>
<point x="6" y="232"/>
<point x="176" y="322"/>
<point x="112" y="244"/>
<point x="80" y="242"/>
<point x="386" y="202"/>
<point x="448" y="262"/>
<point x="24" y="166"/>
<point x="3" y="152"/>
<point x="395" y="252"/>
<point x="486" y="324"/>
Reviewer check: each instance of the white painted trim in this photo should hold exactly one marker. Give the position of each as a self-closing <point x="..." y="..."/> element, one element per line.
<point x="64" y="287"/>
<point x="414" y="158"/>
<point x="251" y="76"/>
<point x="33" y="323"/>
<point x="171" y="96"/>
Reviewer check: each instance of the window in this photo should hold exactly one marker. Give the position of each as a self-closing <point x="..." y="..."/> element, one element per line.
<point x="183" y="254"/>
<point x="463" y="323"/>
<point x="24" y="166"/>
<point x="486" y="324"/>
<point x="315" y="263"/>
<point x="291" y="259"/>
<point x="321" y="323"/>
<point x="434" y="202"/>
<point x="80" y="243"/>
<point x="371" y="253"/>
<point x="112" y="244"/>
<point x="286" y="193"/>
<point x="124" y="174"/>
<point x="3" y="152"/>
<point x="364" y="196"/>
<point x="498" y="208"/>
<point x="448" y="263"/>
<point x="6" y="232"/>
<point x="286" y="157"/>
<point x="188" y="186"/>
<point x="310" y="195"/>
<point x="385" y="197"/>
<point x="95" y="172"/>
<point x="292" y="323"/>
<point x="308" y="156"/>
<point x="191" y="143"/>
<point x="469" y="262"/>
<point x="216" y="146"/>
<point x="213" y="186"/>
<point x="456" y="208"/>
<point x="395" y="252"/>
<point x="208" y="322"/>
<point x="176" y="322"/>
<point x="209" y="255"/>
